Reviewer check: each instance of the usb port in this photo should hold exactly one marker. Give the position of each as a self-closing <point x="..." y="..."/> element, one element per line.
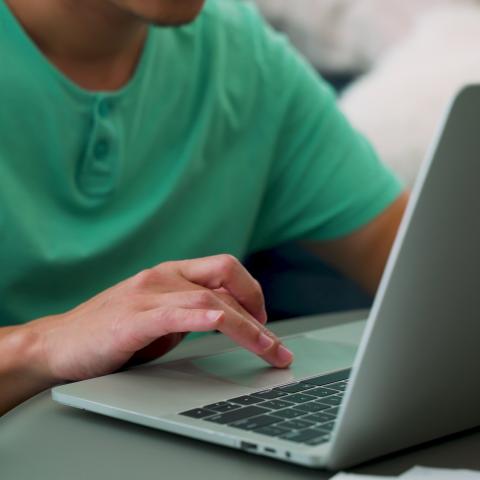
<point x="247" y="446"/>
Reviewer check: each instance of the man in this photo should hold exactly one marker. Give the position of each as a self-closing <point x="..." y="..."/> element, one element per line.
<point x="125" y="147"/>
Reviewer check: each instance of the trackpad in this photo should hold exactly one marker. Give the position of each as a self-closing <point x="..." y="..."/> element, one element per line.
<point x="312" y="357"/>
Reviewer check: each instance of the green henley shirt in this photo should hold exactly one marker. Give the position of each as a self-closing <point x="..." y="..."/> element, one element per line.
<point x="225" y="140"/>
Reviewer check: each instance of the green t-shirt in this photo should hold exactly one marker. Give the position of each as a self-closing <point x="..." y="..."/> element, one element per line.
<point x="225" y="140"/>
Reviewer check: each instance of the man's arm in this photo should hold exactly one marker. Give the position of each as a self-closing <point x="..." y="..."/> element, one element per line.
<point x="363" y="254"/>
<point x="140" y="318"/>
<point x="19" y="377"/>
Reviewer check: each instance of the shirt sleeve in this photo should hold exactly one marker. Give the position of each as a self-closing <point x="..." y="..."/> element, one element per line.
<point x="325" y="179"/>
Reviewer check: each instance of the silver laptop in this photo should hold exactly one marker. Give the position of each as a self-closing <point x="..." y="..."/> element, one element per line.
<point x="414" y="378"/>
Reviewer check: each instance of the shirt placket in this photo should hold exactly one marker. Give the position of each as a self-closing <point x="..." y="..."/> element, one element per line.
<point x="97" y="172"/>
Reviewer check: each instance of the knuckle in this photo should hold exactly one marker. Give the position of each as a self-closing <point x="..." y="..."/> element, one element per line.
<point x="228" y="263"/>
<point x="144" y="279"/>
<point x="165" y="266"/>
<point x="204" y="298"/>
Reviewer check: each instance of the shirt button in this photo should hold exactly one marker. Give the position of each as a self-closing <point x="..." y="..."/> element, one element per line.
<point x="101" y="149"/>
<point x="104" y="107"/>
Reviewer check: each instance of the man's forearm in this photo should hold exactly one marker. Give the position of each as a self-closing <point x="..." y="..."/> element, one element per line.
<point x="20" y="377"/>
<point x="363" y="254"/>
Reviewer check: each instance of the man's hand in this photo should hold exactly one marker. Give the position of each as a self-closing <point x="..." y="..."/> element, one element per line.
<point x="147" y="315"/>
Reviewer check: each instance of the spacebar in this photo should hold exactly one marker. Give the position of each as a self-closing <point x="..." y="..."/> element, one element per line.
<point x="239" y="414"/>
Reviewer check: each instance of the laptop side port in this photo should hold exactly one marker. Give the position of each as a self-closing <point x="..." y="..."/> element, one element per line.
<point x="270" y="450"/>
<point x="248" y="446"/>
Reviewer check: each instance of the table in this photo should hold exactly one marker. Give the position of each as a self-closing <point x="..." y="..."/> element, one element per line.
<point x="43" y="440"/>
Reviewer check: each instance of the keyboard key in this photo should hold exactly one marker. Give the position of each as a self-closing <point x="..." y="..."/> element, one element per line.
<point x="292" y="388"/>
<point x="311" y="407"/>
<point x="296" y="424"/>
<point x="322" y="392"/>
<point x="340" y="386"/>
<point x="332" y="411"/>
<point x="327" y="426"/>
<point x="325" y="379"/>
<point x="334" y="401"/>
<point x="256" y="422"/>
<point x="222" y="407"/>
<point x="303" y="435"/>
<point x="277" y="404"/>
<point x="300" y="398"/>
<point x="289" y="413"/>
<point x="319" y="417"/>
<point x="245" y="400"/>
<point x="269" y="394"/>
<point x="272" y="431"/>
<point x="318" y="441"/>
<point x="198" y="413"/>
<point x="239" y="414"/>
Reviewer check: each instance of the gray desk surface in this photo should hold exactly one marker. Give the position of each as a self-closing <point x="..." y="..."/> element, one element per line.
<point x="41" y="439"/>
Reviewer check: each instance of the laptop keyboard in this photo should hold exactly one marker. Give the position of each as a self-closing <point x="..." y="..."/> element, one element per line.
<point x="301" y="412"/>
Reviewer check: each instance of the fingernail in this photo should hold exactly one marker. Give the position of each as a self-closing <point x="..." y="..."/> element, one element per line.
<point x="265" y="342"/>
<point x="284" y="355"/>
<point x="214" y="315"/>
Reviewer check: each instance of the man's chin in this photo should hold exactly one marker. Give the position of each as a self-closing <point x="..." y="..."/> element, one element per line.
<point x="174" y="22"/>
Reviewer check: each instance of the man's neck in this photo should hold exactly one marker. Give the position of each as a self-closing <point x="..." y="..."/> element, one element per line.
<point x="93" y="43"/>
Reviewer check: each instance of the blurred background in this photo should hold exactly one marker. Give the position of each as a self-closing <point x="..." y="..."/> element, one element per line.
<point x="395" y="65"/>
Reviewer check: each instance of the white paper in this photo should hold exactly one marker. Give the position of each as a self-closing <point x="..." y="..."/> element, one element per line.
<point x="424" y="473"/>
<point x="354" y="476"/>
<point x="417" y="473"/>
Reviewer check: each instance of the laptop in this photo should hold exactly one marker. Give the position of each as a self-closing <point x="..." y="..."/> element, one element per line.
<point x="414" y="378"/>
